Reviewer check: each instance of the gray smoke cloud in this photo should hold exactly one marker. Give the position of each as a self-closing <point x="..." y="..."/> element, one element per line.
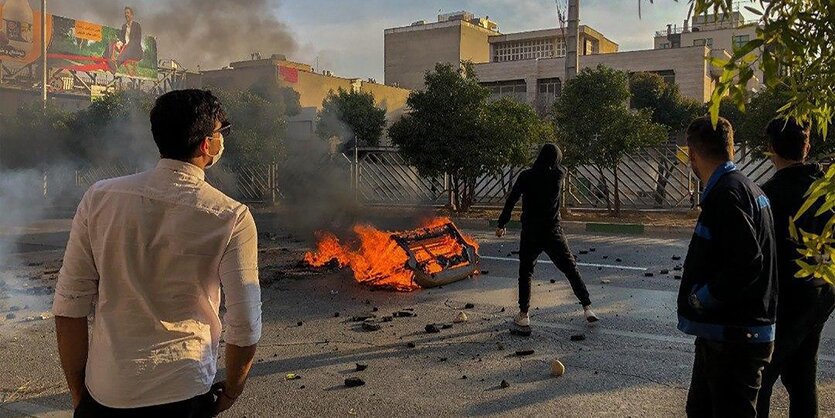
<point x="205" y="33"/>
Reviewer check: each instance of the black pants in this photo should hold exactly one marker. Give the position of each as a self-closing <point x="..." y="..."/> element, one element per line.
<point x="552" y="241"/>
<point x="200" y="406"/>
<point x="726" y="378"/>
<point x="800" y="322"/>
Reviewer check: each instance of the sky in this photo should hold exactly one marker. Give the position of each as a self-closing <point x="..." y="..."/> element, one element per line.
<point x="346" y="36"/>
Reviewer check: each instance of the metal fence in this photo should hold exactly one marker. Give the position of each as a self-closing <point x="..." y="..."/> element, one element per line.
<point x="249" y="184"/>
<point x="655" y="178"/>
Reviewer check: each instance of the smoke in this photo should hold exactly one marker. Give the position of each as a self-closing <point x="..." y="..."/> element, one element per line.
<point x="316" y="187"/>
<point x="205" y="33"/>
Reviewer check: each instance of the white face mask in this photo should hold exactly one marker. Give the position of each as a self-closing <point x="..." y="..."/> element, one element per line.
<point x="216" y="157"/>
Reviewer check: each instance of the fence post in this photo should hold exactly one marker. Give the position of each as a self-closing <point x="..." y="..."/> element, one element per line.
<point x="273" y="182"/>
<point x="45" y="184"/>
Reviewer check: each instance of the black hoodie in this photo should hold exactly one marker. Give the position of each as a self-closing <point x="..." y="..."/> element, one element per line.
<point x="786" y="191"/>
<point x="539" y="187"/>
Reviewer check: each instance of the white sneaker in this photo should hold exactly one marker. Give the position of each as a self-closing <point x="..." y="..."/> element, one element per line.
<point x="522" y="319"/>
<point x="589" y="314"/>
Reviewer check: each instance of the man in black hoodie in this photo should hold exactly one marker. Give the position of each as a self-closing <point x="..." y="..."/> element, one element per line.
<point x="804" y="304"/>
<point x="539" y="187"/>
<point x="728" y="293"/>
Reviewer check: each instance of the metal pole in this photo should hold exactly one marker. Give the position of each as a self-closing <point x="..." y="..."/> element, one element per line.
<point x="43" y="53"/>
<point x="572" y="39"/>
<point x="356" y="170"/>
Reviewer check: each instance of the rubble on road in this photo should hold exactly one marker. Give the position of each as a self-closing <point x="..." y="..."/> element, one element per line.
<point x="432" y="329"/>
<point x="578" y="337"/>
<point x="371" y="326"/>
<point x="524" y="352"/>
<point x="504" y="384"/>
<point x="557" y="368"/>
<point x="461" y="317"/>
<point x="361" y="367"/>
<point x="353" y="382"/>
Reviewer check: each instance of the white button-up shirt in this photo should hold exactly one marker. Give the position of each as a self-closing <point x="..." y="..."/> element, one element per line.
<point x="151" y="251"/>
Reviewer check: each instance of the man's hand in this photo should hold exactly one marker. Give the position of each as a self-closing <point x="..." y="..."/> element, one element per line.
<point x="225" y="399"/>
<point x="77" y="397"/>
<point x="72" y="349"/>
<point x="119" y="45"/>
<point x="500" y="232"/>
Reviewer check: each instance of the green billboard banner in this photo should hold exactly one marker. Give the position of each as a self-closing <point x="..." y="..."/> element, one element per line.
<point x="75" y="44"/>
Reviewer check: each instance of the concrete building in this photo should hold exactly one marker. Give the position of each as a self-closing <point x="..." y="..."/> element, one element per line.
<point x="313" y="87"/>
<point x="412" y="50"/>
<point x="720" y="33"/>
<point x="530" y="66"/>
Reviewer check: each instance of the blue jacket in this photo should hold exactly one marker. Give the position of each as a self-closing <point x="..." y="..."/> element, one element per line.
<point x="729" y="287"/>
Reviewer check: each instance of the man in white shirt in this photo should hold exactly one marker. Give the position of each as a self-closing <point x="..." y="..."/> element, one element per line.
<point x="150" y="253"/>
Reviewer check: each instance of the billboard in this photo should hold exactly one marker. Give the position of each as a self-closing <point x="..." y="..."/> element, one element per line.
<point x="76" y="45"/>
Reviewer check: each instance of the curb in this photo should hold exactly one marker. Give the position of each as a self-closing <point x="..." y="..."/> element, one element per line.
<point x="593" y="227"/>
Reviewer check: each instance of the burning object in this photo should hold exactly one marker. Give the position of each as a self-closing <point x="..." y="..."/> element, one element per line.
<point x="432" y="255"/>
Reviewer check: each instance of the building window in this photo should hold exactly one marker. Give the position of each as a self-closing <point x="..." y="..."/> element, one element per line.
<point x="560" y="52"/>
<point x="668" y="75"/>
<point x="740" y="40"/>
<point x="514" y="89"/>
<point x="527" y="50"/>
<point x="698" y="42"/>
<point x="548" y="90"/>
<point x="665" y="45"/>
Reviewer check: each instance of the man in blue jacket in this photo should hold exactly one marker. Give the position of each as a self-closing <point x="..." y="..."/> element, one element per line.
<point x="728" y="294"/>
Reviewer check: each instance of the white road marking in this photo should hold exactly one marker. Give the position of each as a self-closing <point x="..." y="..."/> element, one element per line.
<point x="608" y="266"/>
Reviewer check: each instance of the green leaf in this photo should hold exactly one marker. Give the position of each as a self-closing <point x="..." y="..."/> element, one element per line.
<point x="826" y="207"/>
<point x="747" y="48"/>
<point x="754" y="11"/>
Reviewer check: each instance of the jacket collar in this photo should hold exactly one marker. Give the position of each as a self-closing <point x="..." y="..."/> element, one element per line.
<point x="182" y="167"/>
<point x="725" y="168"/>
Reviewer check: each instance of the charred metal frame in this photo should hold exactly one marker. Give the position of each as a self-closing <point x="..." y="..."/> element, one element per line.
<point x="457" y="268"/>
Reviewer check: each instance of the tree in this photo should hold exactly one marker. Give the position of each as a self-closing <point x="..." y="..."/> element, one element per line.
<point x="664" y="101"/>
<point x="351" y="116"/>
<point x="452" y="129"/>
<point x="794" y="41"/>
<point x="758" y="113"/>
<point x="597" y="127"/>
<point x="580" y="111"/>
<point x="258" y="131"/>
<point x="33" y="137"/>
<point x="667" y="107"/>
<point x="114" y="129"/>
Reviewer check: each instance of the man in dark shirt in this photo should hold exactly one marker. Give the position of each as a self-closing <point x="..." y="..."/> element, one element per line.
<point x="728" y="293"/>
<point x="539" y="188"/>
<point x="804" y="303"/>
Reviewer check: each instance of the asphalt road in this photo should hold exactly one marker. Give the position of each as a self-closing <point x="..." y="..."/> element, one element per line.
<point x="633" y="363"/>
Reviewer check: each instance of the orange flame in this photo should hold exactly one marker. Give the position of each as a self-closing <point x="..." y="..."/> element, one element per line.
<point x="380" y="261"/>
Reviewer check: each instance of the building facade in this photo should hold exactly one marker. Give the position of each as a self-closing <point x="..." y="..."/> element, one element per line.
<point x="530" y="66"/>
<point x="411" y="51"/>
<point x="313" y="87"/>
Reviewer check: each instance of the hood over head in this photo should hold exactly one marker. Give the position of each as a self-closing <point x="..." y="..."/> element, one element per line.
<point x="549" y="157"/>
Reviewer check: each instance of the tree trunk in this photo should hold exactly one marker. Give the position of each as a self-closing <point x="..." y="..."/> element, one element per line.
<point x="456" y="193"/>
<point x="617" y="189"/>
<point x="604" y="188"/>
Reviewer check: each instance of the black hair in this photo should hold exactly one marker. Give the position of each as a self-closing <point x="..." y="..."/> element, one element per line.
<point x="788" y="138"/>
<point x="181" y="119"/>
<point x="714" y="143"/>
<point x="549" y="156"/>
